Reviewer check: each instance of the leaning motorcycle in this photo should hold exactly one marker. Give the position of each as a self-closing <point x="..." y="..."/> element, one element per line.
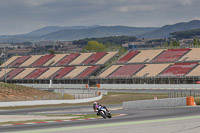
<point x="104" y="113"/>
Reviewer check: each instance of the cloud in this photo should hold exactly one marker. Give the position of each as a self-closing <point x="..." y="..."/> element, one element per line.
<point x="22" y="16"/>
<point x="33" y="3"/>
<point x="132" y="8"/>
<point x="186" y="2"/>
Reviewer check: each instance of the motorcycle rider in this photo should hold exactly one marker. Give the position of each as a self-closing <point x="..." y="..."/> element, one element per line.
<point x="96" y="107"/>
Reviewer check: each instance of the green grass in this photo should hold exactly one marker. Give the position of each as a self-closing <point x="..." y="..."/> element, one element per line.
<point x="120" y="97"/>
<point x="111" y="98"/>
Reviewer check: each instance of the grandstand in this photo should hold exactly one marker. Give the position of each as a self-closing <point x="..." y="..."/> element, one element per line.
<point x="134" y="67"/>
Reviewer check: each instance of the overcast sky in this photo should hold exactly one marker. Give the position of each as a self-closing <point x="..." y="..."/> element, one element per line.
<point x="23" y="16"/>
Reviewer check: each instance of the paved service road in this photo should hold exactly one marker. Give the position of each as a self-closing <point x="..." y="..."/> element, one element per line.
<point x="170" y="125"/>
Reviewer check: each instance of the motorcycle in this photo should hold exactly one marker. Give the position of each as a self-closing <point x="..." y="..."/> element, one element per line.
<point x="104" y="113"/>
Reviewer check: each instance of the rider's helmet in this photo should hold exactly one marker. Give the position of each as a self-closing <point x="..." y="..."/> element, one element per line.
<point x="94" y="103"/>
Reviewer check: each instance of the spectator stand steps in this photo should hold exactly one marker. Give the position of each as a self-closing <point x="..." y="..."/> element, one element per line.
<point x="31" y="60"/>
<point x="68" y="59"/>
<point x="62" y="72"/>
<point x="127" y="57"/>
<point x="42" y="60"/>
<point x="10" y="60"/>
<point x="89" y="71"/>
<point x="19" y="61"/>
<point x="178" y="69"/>
<point x="36" y="73"/>
<point x="170" y="55"/>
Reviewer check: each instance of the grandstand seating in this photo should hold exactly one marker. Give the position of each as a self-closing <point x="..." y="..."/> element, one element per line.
<point x="55" y="59"/>
<point x="178" y="69"/>
<point x="2" y="72"/>
<point x="13" y="73"/>
<point x="49" y="72"/>
<point x="31" y="60"/>
<point x="75" y="72"/>
<point x="192" y="55"/>
<point x="195" y="71"/>
<point x="36" y="73"/>
<point x="151" y="70"/>
<point x="10" y="60"/>
<point x="42" y="60"/>
<point x="80" y="59"/>
<point x="88" y="72"/>
<point x="171" y="55"/>
<point x="106" y="58"/>
<point x="145" y="56"/>
<point x="143" y="63"/>
<point x="23" y="74"/>
<point x="67" y="59"/>
<point x="127" y="57"/>
<point x="108" y="71"/>
<point x="62" y="72"/>
<point x="126" y="70"/>
<point x="94" y="58"/>
<point x="18" y="61"/>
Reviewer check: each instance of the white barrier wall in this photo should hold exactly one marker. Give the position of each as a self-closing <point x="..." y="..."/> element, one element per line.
<point x="150" y="86"/>
<point x="151" y="104"/>
<point x="48" y="102"/>
<point x="55" y="85"/>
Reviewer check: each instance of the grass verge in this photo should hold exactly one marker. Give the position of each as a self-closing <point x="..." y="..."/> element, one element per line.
<point x="111" y="98"/>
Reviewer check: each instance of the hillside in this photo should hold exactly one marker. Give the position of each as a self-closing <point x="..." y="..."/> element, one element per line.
<point x="167" y="29"/>
<point x="82" y="32"/>
<point x="75" y="33"/>
<point x="13" y="92"/>
<point x="107" y="40"/>
<point x="186" y="34"/>
<point x="102" y="31"/>
<point x="51" y="29"/>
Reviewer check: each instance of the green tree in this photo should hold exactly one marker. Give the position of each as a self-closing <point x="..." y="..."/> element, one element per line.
<point x="94" y="46"/>
<point x="166" y="44"/>
<point x="196" y="42"/>
<point x="52" y="51"/>
<point x="174" y="43"/>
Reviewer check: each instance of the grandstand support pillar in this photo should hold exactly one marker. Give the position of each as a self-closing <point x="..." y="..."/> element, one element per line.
<point x="50" y="83"/>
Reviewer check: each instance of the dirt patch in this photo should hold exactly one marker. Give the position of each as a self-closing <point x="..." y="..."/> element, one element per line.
<point x="13" y="92"/>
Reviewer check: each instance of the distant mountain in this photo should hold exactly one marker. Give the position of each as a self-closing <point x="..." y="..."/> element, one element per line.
<point x="167" y="29"/>
<point x="51" y="29"/>
<point x="101" y="31"/>
<point x="36" y="34"/>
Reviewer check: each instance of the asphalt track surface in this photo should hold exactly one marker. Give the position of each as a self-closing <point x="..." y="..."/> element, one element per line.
<point x="131" y="117"/>
<point x="120" y="123"/>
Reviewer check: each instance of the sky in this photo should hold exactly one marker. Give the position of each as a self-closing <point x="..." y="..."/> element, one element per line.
<point x="23" y="16"/>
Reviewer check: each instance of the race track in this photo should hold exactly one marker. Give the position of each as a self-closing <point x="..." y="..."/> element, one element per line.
<point x="146" y="119"/>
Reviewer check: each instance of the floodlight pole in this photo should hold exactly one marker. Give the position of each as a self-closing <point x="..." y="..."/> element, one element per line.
<point x="5" y="75"/>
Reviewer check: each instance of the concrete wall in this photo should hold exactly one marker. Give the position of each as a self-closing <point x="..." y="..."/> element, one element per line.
<point x="79" y="91"/>
<point x="149" y="104"/>
<point x="55" y="85"/>
<point x="47" y="102"/>
<point x="119" y="86"/>
<point x="150" y="86"/>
